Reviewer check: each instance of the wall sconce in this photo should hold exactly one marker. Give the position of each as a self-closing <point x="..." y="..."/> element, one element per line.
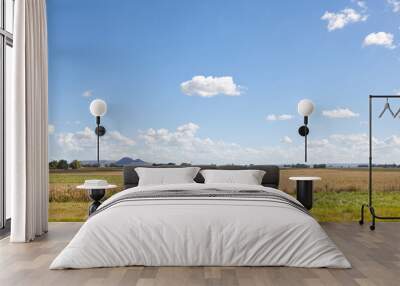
<point x="98" y="108"/>
<point x="305" y="107"/>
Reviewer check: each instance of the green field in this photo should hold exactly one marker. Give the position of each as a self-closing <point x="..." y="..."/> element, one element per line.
<point x="337" y="197"/>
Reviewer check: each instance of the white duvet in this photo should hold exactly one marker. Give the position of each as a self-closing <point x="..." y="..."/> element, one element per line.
<point x="199" y="231"/>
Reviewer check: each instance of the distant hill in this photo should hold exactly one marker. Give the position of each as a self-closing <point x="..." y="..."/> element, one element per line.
<point x="127" y="161"/>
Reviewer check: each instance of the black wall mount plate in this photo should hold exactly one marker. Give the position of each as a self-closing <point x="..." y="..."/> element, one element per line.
<point x="303" y="130"/>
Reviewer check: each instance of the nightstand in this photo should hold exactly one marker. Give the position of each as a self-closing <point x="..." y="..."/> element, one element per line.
<point x="96" y="190"/>
<point x="304" y="190"/>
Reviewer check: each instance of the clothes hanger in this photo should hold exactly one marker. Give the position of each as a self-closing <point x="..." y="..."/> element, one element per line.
<point x="387" y="107"/>
<point x="397" y="113"/>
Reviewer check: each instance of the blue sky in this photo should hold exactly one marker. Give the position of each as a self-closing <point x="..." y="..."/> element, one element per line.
<point x="254" y="58"/>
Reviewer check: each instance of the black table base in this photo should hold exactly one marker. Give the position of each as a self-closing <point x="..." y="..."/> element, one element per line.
<point x="96" y="195"/>
<point x="305" y="193"/>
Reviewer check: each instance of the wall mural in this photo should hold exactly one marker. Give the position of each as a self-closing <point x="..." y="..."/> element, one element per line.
<point x="219" y="82"/>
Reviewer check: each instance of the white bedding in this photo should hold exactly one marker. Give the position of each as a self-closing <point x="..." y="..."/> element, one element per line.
<point x="200" y="231"/>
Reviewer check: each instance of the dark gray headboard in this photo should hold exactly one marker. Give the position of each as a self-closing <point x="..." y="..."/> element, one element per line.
<point x="271" y="177"/>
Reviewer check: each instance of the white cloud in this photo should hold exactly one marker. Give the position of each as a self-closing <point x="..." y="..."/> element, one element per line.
<point x="353" y="148"/>
<point x="273" y="117"/>
<point x="185" y="145"/>
<point x="163" y="145"/>
<point x="341" y="19"/>
<point x="380" y="39"/>
<point x="51" y="128"/>
<point x="351" y="139"/>
<point x="340" y="113"/>
<point x="393" y="140"/>
<point x="394" y="4"/>
<point x="82" y="144"/>
<point x="318" y="144"/>
<point x="77" y="141"/>
<point x="87" y="93"/>
<point x="210" y="86"/>
<point x="117" y="137"/>
<point x="182" y="134"/>
<point x="287" y="140"/>
<point x="361" y="4"/>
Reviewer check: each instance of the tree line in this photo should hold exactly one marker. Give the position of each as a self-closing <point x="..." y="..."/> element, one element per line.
<point x="302" y="166"/>
<point x="64" y="165"/>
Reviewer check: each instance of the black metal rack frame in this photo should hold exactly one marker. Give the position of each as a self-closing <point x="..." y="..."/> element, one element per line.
<point x="370" y="169"/>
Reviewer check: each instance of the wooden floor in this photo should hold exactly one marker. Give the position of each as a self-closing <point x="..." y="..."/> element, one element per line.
<point x="375" y="257"/>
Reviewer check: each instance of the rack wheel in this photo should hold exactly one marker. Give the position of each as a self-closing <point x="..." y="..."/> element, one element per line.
<point x="372" y="227"/>
<point x="361" y="222"/>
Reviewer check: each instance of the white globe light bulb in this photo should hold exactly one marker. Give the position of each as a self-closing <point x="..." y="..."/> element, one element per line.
<point x="98" y="107"/>
<point x="305" y="107"/>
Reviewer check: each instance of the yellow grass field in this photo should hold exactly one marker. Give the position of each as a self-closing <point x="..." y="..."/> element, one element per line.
<point x="338" y="195"/>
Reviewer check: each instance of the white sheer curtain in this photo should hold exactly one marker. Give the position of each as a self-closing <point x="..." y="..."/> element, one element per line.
<point x="27" y="123"/>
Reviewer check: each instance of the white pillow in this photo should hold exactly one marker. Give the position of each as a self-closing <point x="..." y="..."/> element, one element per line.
<point x="248" y="177"/>
<point x="166" y="176"/>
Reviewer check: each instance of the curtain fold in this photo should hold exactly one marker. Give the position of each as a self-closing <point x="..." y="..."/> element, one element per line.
<point x="28" y="123"/>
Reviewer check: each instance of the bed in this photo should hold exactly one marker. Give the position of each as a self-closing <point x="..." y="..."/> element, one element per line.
<point x="198" y="224"/>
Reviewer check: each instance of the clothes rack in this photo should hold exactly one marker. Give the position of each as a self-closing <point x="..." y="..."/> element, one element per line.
<point x="370" y="168"/>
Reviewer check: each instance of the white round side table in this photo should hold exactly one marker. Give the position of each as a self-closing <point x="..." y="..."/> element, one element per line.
<point x="96" y="190"/>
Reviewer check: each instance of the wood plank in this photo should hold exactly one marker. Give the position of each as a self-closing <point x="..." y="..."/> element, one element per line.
<point x="375" y="257"/>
